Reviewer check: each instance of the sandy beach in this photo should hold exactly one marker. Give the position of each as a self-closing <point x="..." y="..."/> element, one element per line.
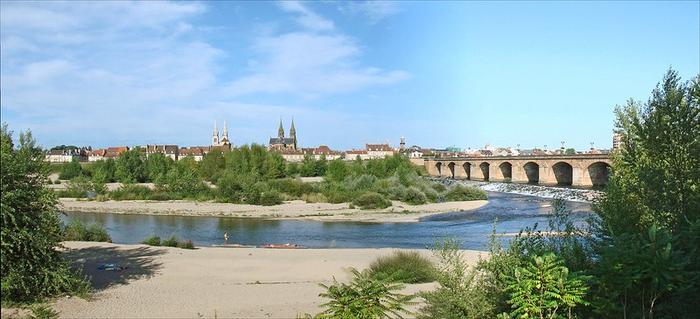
<point x="210" y="282"/>
<point x="398" y="212"/>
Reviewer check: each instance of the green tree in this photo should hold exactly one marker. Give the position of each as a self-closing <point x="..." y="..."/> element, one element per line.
<point x="129" y="167"/>
<point x="103" y="171"/>
<point x="157" y="166"/>
<point x="31" y="267"/>
<point x="337" y="170"/>
<point x="320" y="166"/>
<point x="308" y="166"/>
<point x="570" y="151"/>
<point x="71" y="170"/>
<point x="212" y="165"/>
<point x="654" y="188"/>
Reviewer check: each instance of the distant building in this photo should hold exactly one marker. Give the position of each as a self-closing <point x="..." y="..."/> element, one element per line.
<point x="379" y="150"/>
<point x="414" y="152"/>
<point x="196" y="152"/>
<point x="284" y="143"/>
<point x="168" y="150"/>
<point x="224" y="140"/>
<point x="67" y="155"/>
<point x="290" y="155"/>
<point x="322" y="151"/>
<point x="114" y="152"/>
<point x="355" y="154"/>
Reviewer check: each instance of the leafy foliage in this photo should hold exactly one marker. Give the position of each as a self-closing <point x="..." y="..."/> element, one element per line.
<point x="71" y="170"/>
<point x="152" y="241"/>
<point x="129" y="167"/>
<point x="364" y="297"/>
<point x="463" y="193"/>
<point x="79" y="231"/>
<point x="371" y="200"/>
<point x="31" y="268"/>
<point x="544" y="288"/>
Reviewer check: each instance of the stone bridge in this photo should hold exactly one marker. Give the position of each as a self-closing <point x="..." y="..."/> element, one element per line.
<point x="574" y="170"/>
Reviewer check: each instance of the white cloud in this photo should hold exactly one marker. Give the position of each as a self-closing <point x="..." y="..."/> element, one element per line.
<point x="375" y="11"/>
<point x="309" y="64"/>
<point x="306" y="17"/>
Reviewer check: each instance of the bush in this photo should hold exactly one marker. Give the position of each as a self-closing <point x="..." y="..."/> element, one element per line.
<point x="152" y="241"/>
<point x="414" y="196"/>
<point x="170" y="242"/>
<point x="293" y="187"/>
<point x="408" y="267"/>
<point x="185" y="244"/>
<point x="270" y="198"/>
<point x="71" y="170"/>
<point x="76" y="230"/>
<point x="314" y="198"/>
<point x="461" y="293"/>
<point x="364" y="297"/>
<point x="371" y="201"/>
<point x="438" y="187"/>
<point x="464" y="193"/>
<point x="130" y="192"/>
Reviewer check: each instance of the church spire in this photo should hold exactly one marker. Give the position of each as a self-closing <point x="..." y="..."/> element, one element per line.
<point x="215" y="137"/>
<point x="224" y="134"/>
<point x="280" y="130"/>
<point x="293" y="134"/>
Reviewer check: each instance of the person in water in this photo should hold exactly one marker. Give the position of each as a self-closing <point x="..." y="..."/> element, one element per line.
<point x="226" y="238"/>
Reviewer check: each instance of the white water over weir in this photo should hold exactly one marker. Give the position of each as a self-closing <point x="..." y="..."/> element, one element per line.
<point x="570" y="194"/>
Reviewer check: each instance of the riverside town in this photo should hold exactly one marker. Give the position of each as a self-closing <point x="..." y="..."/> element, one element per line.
<point x="364" y="159"/>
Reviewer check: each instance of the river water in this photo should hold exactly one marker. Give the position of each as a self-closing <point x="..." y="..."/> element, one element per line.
<point x="472" y="228"/>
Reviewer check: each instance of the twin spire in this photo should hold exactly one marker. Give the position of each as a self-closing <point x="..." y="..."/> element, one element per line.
<point x="224" y="136"/>
<point x="292" y="131"/>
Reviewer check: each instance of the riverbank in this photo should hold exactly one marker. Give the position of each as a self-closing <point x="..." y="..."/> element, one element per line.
<point x="398" y="212"/>
<point x="239" y="283"/>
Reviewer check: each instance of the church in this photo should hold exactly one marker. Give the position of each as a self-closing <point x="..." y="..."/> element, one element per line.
<point x="281" y="143"/>
<point x="223" y="141"/>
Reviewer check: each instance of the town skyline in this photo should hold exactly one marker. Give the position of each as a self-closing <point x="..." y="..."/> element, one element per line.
<point x="446" y="74"/>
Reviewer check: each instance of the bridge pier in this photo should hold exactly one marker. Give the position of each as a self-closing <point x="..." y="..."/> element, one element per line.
<point x="518" y="173"/>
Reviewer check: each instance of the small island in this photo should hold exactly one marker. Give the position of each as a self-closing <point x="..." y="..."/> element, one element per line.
<point x="252" y="182"/>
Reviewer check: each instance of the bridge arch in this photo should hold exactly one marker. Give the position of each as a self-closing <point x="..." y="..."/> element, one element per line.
<point x="451" y="167"/>
<point x="599" y="173"/>
<point x="532" y="172"/>
<point x="467" y="170"/>
<point x="506" y="169"/>
<point x="563" y="173"/>
<point x="438" y="166"/>
<point x="484" y="166"/>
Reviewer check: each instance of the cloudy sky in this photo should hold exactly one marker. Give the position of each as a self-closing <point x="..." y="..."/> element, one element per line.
<point x="440" y="74"/>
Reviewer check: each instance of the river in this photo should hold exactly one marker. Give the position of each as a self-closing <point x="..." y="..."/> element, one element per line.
<point x="472" y="228"/>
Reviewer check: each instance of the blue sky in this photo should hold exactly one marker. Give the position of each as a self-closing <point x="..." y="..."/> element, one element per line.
<point x="439" y="73"/>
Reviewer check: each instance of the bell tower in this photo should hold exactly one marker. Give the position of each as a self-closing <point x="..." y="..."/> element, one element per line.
<point x="293" y="134"/>
<point x="215" y="137"/>
<point x="280" y="131"/>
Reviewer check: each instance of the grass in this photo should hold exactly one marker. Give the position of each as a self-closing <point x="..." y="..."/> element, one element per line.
<point x="76" y="230"/>
<point x="403" y="266"/>
<point x="464" y="193"/>
<point x="152" y="241"/>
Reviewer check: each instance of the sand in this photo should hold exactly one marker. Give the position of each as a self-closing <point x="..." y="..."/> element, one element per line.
<point x="398" y="212"/>
<point x="164" y="282"/>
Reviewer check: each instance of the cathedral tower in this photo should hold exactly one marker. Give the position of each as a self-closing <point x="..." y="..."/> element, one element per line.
<point x="224" y="135"/>
<point x="215" y="138"/>
<point x="293" y="134"/>
<point x="280" y="131"/>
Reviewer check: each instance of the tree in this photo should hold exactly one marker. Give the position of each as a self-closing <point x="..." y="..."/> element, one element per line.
<point x="337" y="170"/>
<point x="103" y="171"/>
<point x="157" y="165"/>
<point x="654" y="189"/>
<point x="308" y="166"/>
<point x="129" y="167"/>
<point x="320" y="166"/>
<point x="211" y="165"/>
<point x="31" y="267"/>
<point x="570" y="151"/>
<point x="71" y="170"/>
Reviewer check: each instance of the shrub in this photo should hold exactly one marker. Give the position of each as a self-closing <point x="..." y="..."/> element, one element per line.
<point x="170" y="242"/>
<point x="152" y="241"/>
<point x="461" y="293"/>
<point x="361" y="183"/>
<point x="76" y="230"/>
<point x="364" y="297"/>
<point x="71" y="170"/>
<point x="229" y="188"/>
<point x="414" y="196"/>
<point x="543" y="287"/>
<point x="314" y="198"/>
<point x="371" y="201"/>
<point x="130" y="191"/>
<point x="464" y="193"/>
<point x="293" y="187"/>
<point x="185" y="244"/>
<point x="438" y="187"/>
<point x="403" y="266"/>
<point x="270" y="198"/>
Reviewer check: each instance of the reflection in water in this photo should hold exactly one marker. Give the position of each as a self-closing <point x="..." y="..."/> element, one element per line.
<point x="472" y="228"/>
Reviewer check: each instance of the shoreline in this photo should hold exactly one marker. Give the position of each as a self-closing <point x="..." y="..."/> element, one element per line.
<point x="240" y="282"/>
<point x="397" y="213"/>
